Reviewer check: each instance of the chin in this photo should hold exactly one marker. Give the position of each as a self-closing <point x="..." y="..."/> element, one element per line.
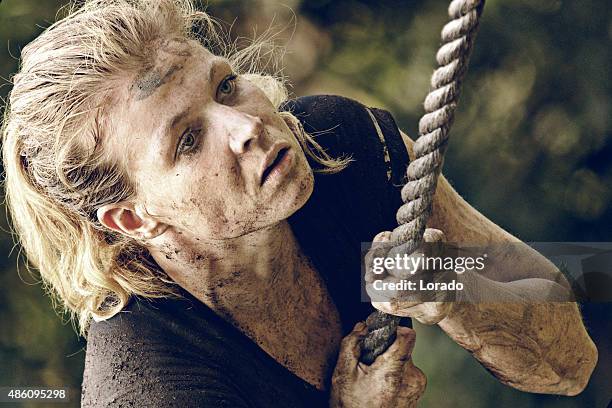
<point x="287" y="199"/>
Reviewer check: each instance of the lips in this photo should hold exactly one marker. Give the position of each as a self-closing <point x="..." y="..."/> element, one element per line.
<point x="272" y="159"/>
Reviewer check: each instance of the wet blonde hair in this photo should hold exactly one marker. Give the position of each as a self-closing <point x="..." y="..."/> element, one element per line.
<point x="56" y="174"/>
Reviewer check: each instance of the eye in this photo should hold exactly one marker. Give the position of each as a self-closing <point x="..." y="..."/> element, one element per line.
<point x="187" y="141"/>
<point x="227" y="85"/>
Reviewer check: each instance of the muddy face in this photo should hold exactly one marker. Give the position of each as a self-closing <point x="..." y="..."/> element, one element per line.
<point x="207" y="150"/>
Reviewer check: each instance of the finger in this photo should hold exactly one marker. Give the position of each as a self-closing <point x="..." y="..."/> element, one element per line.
<point x="383" y="236"/>
<point x="414" y="382"/>
<point x="405" y="266"/>
<point x="403" y="309"/>
<point x="374" y="270"/>
<point x="433" y="235"/>
<point x="377" y="251"/>
<point x="380" y="290"/>
<point x="350" y="347"/>
<point x="389" y="289"/>
<point x="434" y="242"/>
<point x="398" y="353"/>
<point x="384" y="307"/>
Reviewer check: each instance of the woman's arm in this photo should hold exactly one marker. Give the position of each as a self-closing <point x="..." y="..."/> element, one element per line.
<point x="536" y="347"/>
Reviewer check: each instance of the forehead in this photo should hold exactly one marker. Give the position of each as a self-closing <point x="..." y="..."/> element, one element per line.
<point x="167" y="57"/>
<point x="146" y="98"/>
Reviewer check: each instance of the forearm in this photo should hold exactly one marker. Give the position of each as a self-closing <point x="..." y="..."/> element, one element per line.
<point x="535" y="340"/>
<point x="529" y="341"/>
<point x="534" y="347"/>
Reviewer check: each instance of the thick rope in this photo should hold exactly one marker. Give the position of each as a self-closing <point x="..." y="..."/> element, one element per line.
<point x="440" y="104"/>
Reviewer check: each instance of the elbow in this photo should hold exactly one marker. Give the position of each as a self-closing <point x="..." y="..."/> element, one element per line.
<point x="569" y="380"/>
<point x="575" y="384"/>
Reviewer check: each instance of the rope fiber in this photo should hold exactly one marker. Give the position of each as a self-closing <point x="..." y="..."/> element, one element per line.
<point x="422" y="174"/>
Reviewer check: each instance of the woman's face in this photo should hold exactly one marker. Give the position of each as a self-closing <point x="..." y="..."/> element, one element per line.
<point x="208" y="152"/>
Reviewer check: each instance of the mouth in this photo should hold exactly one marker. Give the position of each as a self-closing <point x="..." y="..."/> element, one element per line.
<point x="273" y="159"/>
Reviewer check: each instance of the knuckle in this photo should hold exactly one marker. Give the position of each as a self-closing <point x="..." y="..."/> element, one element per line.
<point x="384" y="307"/>
<point x="420" y="379"/>
<point x="433" y="235"/>
<point x="346" y="342"/>
<point x="408" y="332"/>
<point x="382" y="236"/>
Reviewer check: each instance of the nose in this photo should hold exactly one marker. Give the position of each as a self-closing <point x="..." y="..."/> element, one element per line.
<point x="244" y="129"/>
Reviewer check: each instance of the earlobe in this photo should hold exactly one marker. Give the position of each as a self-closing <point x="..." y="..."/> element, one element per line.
<point x="126" y="219"/>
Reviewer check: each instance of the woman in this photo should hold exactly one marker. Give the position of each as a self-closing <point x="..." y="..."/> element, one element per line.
<point x="161" y="193"/>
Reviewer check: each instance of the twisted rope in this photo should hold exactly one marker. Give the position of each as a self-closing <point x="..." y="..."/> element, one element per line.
<point x="440" y="104"/>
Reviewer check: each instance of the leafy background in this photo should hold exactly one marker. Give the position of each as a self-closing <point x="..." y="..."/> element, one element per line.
<point x="531" y="150"/>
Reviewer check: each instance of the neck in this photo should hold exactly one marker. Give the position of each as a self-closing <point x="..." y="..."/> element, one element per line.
<point x="230" y="274"/>
<point x="264" y="286"/>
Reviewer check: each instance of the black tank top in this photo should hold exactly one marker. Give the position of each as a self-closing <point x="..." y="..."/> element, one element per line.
<point x="179" y="353"/>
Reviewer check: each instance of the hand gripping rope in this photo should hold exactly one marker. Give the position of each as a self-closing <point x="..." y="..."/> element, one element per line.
<point x="440" y="104"/>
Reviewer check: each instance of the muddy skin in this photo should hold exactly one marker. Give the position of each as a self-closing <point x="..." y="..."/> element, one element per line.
<point x="152" y="78"/>
<point x="242" y="298"/>
<point x="175" y="46"/>
<point x="291" y="291"/>
<point x="148" y="82"/>
<point x="227" y="240"/>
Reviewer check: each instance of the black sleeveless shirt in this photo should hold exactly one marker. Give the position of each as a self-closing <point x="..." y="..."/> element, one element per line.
<point x="178" y="352"/>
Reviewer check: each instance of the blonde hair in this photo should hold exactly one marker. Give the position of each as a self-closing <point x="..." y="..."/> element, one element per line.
<point x="56" y="175"/>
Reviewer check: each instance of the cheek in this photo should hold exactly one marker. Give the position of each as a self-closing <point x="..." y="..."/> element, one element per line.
<point x="215" y="207"/>
<point x="206" y="204"/>
<point x="190" y="199"/>
<point x="219" y="214"/>
<point x="221" y="218"/>
<point x="304" y="184"/>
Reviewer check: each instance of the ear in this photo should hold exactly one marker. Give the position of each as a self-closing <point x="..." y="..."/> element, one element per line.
<point x="129" y="220"/>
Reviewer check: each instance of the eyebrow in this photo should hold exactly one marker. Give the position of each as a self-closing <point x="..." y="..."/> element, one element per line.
<point x="151" y="80"/>
<point x="162" y="136"/>
<point x="177" y="118"/>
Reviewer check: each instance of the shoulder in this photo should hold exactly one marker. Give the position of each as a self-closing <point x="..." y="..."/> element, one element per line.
<point x="371" y="184"/>
<point x="149" y="355"/>
<point x="353" y="205"/>
<point x="361" y="200"/>
<point x="318" y="112"/>
<point x="315" y="109"/>
<point x="323" y="115"/>
<point x="346" y="127"/>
